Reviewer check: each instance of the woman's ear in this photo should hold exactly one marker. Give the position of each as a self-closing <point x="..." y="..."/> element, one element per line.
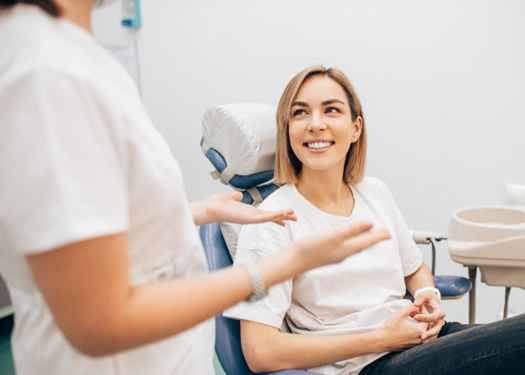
<point x="358" y="127"/>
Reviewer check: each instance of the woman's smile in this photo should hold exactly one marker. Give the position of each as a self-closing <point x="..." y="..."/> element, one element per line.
<point x="318" y="145"/>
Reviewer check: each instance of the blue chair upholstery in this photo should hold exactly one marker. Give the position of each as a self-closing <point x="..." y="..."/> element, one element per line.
<point x="452" y="287"/>
<point x="227" y="331"/>
<point x="237" y="181"/>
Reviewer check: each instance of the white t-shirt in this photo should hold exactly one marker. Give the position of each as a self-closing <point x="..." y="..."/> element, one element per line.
<point x="80" y="159"/>
<point x="355" y="296"/>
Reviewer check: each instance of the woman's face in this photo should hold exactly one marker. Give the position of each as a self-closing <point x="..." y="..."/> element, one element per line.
<point x="321" y="129"/>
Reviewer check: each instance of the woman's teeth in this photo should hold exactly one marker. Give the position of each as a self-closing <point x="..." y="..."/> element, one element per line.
<point x="318" y="145"/>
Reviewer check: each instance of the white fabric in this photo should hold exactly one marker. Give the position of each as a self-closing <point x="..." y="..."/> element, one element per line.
<point x="244" y="134"/>
<point x="230" y="233"/>
<point x="80" y="159"/>
<point x="355" y="296"/>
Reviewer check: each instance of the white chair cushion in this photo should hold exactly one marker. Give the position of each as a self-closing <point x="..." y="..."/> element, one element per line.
<point x="244" y="134"/>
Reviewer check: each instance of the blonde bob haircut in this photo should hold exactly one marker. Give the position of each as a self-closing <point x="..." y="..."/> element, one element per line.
<point x="287" y="165"/>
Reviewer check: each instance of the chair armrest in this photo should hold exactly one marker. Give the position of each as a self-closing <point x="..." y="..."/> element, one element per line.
<point x="428" y="238"/>
<point x="423" y="237"/>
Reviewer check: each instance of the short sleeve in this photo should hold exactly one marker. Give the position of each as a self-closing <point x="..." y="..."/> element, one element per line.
<point x="61" y="163"/>
<point x="409" y="252"/>
<point x="257" y="241"/>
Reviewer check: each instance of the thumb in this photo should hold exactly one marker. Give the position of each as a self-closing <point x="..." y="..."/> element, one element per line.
<point x="411" y="310"/>
<point x="236" y="196"/>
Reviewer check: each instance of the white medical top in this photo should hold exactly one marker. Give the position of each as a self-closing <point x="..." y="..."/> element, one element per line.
<point x="80" y="159"/>
<point x="355" y="296"/>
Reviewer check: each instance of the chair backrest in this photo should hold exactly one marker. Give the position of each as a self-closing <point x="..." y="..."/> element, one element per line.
<point x="239" y="140"/>
<point x="234" y="138"/>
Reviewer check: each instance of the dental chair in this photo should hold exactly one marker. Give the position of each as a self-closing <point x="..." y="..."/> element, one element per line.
<point x="239" y="141"/>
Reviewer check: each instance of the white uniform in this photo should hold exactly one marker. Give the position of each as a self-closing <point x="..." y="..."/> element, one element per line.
<point x="80" y="159"/>
<point x="355" y="296"/>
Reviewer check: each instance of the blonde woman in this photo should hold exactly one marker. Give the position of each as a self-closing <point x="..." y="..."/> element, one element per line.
<point x="351" y="317"/>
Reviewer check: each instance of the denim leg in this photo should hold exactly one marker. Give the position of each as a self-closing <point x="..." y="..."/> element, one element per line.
<point x="487" y="349"/>
<point x="453" y="327"/>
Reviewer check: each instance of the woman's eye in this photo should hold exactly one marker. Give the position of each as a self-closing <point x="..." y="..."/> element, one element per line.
<point x="299" y="112"/>
<point x="332" y="110"/>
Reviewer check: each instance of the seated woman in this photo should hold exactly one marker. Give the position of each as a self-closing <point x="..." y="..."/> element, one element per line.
<point x="351" y="317"/>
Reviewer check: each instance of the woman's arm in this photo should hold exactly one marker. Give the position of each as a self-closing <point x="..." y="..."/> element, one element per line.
<point x="267" y="349"/>
<point x="228" y="208"/>
<point x="419" y="279"/>
<point x="427" y="302"/>
<point x="87" y="287"/>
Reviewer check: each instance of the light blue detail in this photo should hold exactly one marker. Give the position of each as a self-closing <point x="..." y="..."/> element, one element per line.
<point x="131" y="14"/>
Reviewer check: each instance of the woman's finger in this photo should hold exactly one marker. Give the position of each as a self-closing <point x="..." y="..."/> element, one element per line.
<point x="432" y="333"/>
<point x="352" y="230"/>
<point x="364" y="240"/>
<point x="277" y="217"/>
<point x="436" y="315"/>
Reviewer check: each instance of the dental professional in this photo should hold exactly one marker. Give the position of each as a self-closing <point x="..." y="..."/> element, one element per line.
<point x="352" y="318"/>
<point x="98" y="244"/>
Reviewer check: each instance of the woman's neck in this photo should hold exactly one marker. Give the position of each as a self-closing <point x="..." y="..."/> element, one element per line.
<point x="77" y="11"/>
<point x="327" y="191"/>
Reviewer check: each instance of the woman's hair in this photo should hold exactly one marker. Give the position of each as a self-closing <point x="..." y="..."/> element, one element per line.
<point x="48" y="5"/>
<point x="287" y="165"/>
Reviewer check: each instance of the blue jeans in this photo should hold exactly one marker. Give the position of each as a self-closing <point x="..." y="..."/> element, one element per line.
<point x="491" y="349"/>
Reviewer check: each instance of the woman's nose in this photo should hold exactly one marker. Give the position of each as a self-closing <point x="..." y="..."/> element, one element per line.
<point x="316" y="123"/>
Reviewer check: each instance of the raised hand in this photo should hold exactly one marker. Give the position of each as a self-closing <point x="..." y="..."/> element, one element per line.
<point x="333" y="246"/>
<point x="227" y="207"/>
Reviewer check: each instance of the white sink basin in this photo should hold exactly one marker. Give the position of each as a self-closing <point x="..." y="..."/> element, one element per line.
<point x="493" y="238"/>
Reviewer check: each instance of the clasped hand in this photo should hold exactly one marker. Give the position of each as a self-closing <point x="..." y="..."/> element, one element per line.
<point x="417" y="323"/>
<point x="430" y="311"/>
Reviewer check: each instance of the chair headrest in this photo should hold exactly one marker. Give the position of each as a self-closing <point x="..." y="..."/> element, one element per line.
<point x="239" y="140"/>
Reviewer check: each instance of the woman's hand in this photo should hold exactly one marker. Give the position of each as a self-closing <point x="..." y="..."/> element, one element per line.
<point x="430" y="311"/>
<point x="401" y="331"/>
<point x="335" y="245"/>
<point x="227" y="207"/>
<point x="427" y="302"/>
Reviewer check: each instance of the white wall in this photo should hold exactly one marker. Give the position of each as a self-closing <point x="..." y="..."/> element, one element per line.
<point x="442" y="85"/>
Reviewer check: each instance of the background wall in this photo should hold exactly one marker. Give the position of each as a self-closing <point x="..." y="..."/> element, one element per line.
<point x="442" y="85"/>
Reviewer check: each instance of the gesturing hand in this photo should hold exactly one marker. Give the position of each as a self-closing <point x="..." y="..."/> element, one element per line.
<point x="430" y="311"/>
<point x="332" y="246"/>
<point x="229" y="208"/>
